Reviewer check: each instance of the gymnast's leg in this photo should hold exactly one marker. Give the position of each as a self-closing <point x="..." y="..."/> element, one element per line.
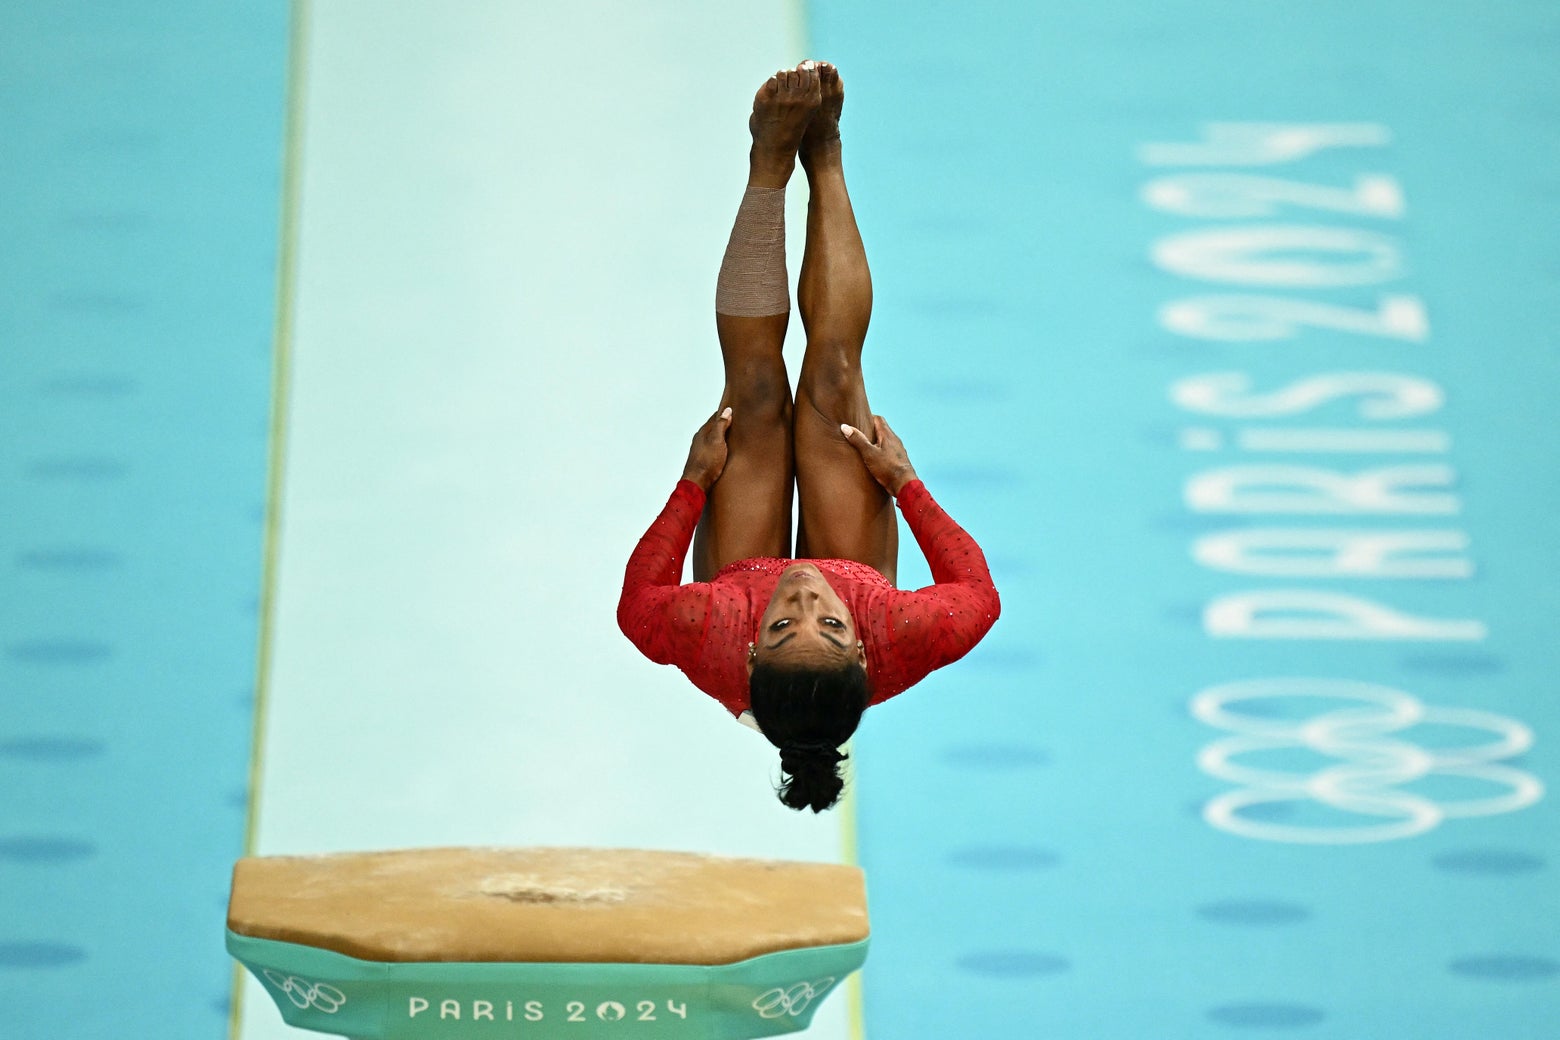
<point x="748" y="512"/>
<point x="845" y="513"/>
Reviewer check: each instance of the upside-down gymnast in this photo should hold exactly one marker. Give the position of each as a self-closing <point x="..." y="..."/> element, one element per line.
<point x="799" y="647"/>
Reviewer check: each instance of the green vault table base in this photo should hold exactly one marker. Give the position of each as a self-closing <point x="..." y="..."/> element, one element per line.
<point x="432" y="943"/>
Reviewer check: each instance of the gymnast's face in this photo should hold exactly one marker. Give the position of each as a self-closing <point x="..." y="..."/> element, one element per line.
<point x="806" y="625"/>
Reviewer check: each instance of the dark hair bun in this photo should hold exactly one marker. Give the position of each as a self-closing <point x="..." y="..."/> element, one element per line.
<point x="814" y="781"/>
<point x="808" y="714"/>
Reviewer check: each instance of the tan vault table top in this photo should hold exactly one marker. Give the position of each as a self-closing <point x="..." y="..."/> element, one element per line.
<point x="547" y="904"/>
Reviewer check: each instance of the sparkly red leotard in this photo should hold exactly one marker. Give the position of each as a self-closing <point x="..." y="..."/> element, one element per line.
<point x="704" y="627"/>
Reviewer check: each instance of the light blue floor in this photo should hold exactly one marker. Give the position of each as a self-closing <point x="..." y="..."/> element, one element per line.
<point x="501" y="341"/>
<point x="1084" y="830"/>
<point x="137" y="287"/>
<point x="1033" y="819"/>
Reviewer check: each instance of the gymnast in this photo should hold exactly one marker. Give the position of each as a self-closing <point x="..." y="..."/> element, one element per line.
<point x="799" y="647"/>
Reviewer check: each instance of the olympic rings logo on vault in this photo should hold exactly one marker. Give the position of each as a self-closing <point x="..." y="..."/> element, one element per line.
<point x="1359" y="761"/>
<point x="304" y="994"/>
<point x="779" y="1002"/>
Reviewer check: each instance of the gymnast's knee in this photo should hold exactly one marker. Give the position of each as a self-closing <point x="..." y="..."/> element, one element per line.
<point x="764" y="399"/>
<point x="832" y="384"/>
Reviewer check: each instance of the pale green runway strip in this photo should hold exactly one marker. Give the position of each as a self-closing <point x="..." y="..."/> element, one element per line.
<point x="509" y="219"/>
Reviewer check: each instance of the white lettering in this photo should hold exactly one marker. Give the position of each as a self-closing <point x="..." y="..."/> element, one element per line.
<point x="1255" y="255"/>
<point x="481" y="1009"/>
<point x="449" y="1009"/>
<point x="533" y="1011"/>
<point x="1246" y="195"/>
<point x="1262" y="144"/>
<point x="416" y="1007"/>
<point x="1322" y="553"/>
<point x="1383" y="395"/>
<point x="1246" y="318"/>
<point x="1309" y="489"/>
<point x="1318" y="439"/>
<point x="1300" y="614"/>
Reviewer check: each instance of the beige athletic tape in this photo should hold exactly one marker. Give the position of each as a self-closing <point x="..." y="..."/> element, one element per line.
<point x="752" y="280"/>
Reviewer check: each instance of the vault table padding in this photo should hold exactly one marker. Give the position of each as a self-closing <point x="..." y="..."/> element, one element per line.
<point x="546" y="942"/>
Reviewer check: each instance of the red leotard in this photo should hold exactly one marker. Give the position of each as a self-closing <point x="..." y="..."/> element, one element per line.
<point x="704" y="628"/>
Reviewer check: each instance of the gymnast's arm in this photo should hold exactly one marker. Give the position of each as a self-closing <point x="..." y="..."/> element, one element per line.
<point x="936" y="625"/>
<point x="942" y="622"/>
<point x="653" y="600"/>
<point x="663" y="618"/>
<point x="960" y="573"/>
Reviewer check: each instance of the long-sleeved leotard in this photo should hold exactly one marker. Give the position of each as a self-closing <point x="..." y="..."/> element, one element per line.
<point x="704" y="628"/>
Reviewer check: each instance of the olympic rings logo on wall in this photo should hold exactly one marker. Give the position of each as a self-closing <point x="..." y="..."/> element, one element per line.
<point x="305" y="994"/>
<point x="792" y="1001"/>
<point x="1366" y="736"/>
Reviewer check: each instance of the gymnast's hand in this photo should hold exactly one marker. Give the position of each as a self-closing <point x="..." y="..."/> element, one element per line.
<point x="884" y="455"/>
<point x="707" y="456"/>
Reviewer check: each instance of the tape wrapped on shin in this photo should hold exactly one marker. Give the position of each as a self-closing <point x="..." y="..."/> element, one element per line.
<point x="752" y="280"/>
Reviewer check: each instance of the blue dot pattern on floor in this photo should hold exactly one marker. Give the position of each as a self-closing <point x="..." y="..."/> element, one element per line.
<point x="1257" y="747"/>
<point x="143" y="169"/>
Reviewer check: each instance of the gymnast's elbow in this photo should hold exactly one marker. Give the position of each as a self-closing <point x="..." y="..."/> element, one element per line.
<point x="989" y="605"/>
<point x="635" y="623"/>
<point x="647" y="632"/>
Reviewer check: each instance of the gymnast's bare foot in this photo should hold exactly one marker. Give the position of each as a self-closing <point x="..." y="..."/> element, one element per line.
<point x="782" y="109"/>
<point x="821" y="142"/>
